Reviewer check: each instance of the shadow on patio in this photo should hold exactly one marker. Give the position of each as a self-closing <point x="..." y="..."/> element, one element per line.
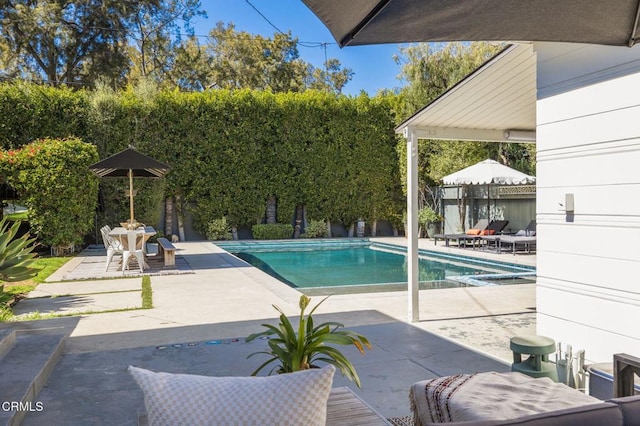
<point x="93" y="387"/>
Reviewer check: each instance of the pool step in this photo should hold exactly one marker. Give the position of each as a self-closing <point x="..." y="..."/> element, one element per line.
<point x="26" y="361"/>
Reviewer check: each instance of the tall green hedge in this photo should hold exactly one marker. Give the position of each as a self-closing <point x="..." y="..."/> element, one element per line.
<point x="29" y="112"/>
<point x="57" y="187"/>
<point x="230" y="150"/>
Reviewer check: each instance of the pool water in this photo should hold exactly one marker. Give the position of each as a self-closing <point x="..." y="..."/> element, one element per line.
<point x="333" y="265"/>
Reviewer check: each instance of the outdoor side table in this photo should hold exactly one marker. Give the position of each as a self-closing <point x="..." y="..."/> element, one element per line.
<point x="538" y="348"/>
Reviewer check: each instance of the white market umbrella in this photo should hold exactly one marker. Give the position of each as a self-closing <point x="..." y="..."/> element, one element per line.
<point x="488" y="172"/>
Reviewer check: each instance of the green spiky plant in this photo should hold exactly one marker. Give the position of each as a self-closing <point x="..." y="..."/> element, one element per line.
<point x="16" y="254"/>
<point x="293" y="351"/>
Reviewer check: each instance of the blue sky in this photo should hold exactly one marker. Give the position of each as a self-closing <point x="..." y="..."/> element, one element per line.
<point x="373" y="65"/>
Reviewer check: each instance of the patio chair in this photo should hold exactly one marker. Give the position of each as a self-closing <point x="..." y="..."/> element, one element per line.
<point x="112" y="245"/>
<point x="132" y="249"/>
<point x="477" y="229"/>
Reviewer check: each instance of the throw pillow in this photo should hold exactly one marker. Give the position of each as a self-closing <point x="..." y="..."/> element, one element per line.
<point x="286" y="399"/>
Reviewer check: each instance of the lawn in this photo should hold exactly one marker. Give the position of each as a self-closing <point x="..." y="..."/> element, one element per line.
<point x="10" y="293"/>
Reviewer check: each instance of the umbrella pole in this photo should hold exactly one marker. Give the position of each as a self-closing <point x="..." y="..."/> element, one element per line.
<point x="489" y="202"/>
<point x="131" y="195"/>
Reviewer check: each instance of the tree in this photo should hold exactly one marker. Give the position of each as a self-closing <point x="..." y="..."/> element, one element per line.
<point x="76" y="43"/>
<point x="238" y="60"/>
<point x="431" y="68"/>
<point x="62" y="42"/>
<point x="157" y="35"/>
<point x="331" y="78"/>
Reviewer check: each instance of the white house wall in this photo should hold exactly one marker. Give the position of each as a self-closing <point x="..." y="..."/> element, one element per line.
<point x="588" y="144"/>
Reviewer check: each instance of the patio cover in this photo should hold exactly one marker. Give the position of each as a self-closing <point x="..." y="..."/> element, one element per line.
<point x="496" y="102"/>
<point x="358" y="22"/>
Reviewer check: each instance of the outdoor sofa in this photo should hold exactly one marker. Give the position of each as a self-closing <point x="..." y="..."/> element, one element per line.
<point x="623" y="411"/>
<point x="512" y="398"/>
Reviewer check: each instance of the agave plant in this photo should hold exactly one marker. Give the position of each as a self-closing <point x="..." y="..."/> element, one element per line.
<point x="293" y="351"/>
<point x="16" y="254"/>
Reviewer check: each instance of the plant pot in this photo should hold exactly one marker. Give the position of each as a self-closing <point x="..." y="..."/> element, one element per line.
<point x="434" y="228"/>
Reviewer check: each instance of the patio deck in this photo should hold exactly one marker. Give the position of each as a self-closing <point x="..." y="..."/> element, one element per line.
<point x="200" y="318"/>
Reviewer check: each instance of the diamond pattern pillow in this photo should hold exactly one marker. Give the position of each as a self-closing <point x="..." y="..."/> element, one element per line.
<point x="286" y="399"/>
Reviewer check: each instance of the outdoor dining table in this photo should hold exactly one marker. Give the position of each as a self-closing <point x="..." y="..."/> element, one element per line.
<point x="142" y="236"/>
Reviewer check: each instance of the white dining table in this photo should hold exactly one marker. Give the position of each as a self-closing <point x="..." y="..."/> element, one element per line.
<point x="142" y="236"/>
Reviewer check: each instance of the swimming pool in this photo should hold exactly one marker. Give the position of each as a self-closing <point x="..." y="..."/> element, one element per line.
<point x="359" y="265"/>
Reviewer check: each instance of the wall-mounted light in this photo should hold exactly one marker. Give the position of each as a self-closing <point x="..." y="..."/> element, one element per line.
<point x="568" y="203"/>
<point x="520" y="135"/>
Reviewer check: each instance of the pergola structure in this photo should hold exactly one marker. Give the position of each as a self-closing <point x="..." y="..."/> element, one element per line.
<point x="495" y="103"/>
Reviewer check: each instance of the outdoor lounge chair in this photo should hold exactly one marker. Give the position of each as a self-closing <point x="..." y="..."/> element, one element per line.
<point x="493" y="240"/>
<point x="525" y="238"/>
<point x="494" y="228"/>
<point x="477" y="229"/>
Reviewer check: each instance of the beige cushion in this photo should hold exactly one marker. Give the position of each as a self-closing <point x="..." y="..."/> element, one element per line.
<point x="285" y="399"/>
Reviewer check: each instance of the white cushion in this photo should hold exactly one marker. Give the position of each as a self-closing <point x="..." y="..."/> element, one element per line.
<point x="286" y="399"/>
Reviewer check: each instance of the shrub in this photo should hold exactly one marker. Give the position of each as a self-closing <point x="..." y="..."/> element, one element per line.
<point x="316" y="229"/>
<point x="275" y="231"/>
<point x="427" y="215"/>
<point x="53" y="179"/>
<point x="219" y="229"/>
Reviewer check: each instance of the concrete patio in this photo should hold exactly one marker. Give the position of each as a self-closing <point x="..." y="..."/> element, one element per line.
<point x="202" y="315"/>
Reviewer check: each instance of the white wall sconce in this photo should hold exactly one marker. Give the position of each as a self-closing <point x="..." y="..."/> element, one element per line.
<point x="568" y="203"/>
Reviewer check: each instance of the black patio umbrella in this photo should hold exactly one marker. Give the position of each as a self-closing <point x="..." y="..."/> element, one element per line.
<point x="129" y="163"/>
<point x="358" y="22"/>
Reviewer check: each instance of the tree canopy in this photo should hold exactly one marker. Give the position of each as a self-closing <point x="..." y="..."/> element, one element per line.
<point x="231" y="59"/>
<point x="79" y="44"/>
<point x="61" y="42"/>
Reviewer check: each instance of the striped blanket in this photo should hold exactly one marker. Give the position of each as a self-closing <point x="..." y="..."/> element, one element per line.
<point x="489" y="396"/>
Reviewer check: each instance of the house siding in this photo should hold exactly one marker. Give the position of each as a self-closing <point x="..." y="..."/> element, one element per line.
<point x="588" y="145"/>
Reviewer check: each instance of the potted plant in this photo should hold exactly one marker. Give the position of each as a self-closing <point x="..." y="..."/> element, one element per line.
<point x="291" y="351"/>
<point x="428" y="220"/>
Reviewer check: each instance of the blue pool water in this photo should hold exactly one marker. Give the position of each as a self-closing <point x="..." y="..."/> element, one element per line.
<point x="313" y="264"/>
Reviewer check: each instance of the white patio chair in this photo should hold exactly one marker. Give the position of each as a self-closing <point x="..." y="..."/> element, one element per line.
<point x="132" y="249"/>
<point x="112" y="245"/>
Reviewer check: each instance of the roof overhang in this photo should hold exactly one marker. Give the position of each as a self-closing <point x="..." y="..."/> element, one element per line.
<point x="495" y="103"/>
